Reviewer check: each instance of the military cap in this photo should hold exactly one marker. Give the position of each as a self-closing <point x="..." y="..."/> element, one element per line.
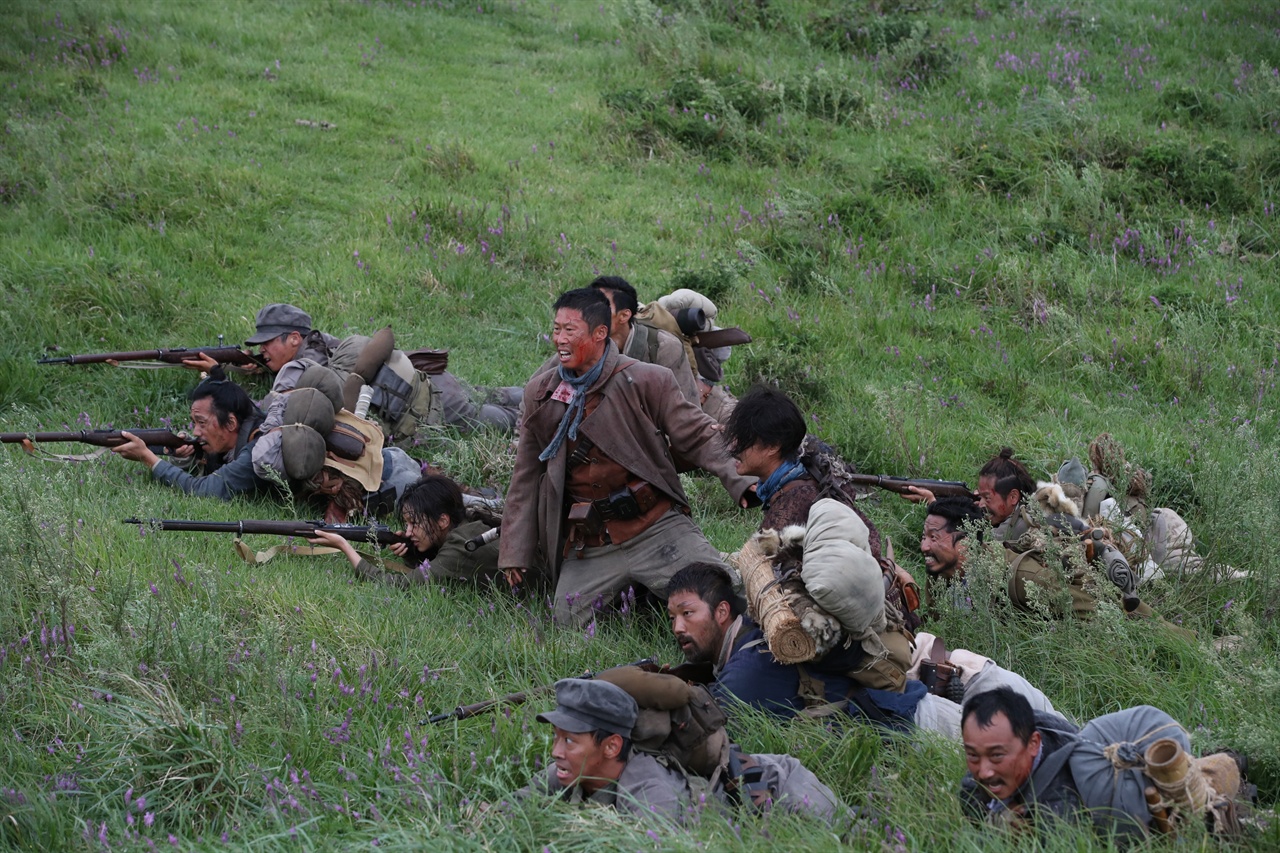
<point x="587" y="705"/>
<point x="1072" y="472"/>
<point x="311" y="407"/>
<point x="303" y="450"/>
<point x="278" y="319"/>
<point x="320" y="377"/>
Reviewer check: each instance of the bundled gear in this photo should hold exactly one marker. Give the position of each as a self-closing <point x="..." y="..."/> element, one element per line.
<point x="1119" y="756"/>
<point x="680" y="724"/>
<point x="402" y="397"/>
<point x="1027" y="536"/>
<point x="818" y="595"/>
<point x="1155" y="541"/>
<point x="832" y="474"/>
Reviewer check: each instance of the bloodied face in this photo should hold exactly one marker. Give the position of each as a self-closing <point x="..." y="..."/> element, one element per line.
<point x="578" y="346"/>
<point x="997" y="507"/>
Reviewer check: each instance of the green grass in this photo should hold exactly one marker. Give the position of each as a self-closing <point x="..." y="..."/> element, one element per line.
<point x="949" y="227"/>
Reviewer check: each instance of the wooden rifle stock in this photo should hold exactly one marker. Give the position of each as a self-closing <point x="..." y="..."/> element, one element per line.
<point x="352" y="532"/>
<point x="940" y="488"/>
<point x="101" y="437"/>
<point x="696" y="672"/>
<point x="176" y="355"/>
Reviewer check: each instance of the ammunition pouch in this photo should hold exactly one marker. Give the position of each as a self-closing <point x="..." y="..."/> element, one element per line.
<point x="628" y="503"/>
<point x="391" y="394"/>
<point x="943" y="679"/>
<point x="585" y="527"/>
<point x="586" y="516"/>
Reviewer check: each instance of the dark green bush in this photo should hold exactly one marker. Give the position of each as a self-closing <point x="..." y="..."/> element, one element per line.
<point x="907" y="175"/>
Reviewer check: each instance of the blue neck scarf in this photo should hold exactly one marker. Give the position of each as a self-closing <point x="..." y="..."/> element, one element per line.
<point x="577" y="404"/>
<point x="790" y="469"/>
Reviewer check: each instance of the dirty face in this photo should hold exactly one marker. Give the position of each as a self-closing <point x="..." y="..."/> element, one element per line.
<point x="943" y="550"/>
<point x="579" y="759"/>
<point x="698" y="629"/>
<point x="996" y="507"/>
<point x="278" y="352"/>
<point x="998" y="760"/>
<point x="427" y="533"/>
<point x="213" y="436"/>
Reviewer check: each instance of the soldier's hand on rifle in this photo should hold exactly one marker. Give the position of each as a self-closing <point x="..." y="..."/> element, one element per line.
<point x="201" y="362"/>
<point x="333" y="540"/>
<point x="400" y="549"/>
<point x="136" y="450"/>
<point x="917" y="495"/>
<point x="185" y="450"/>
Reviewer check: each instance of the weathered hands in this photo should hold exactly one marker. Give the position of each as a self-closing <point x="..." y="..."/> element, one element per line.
<point x="917" y="495"/>
<point x="201" y="362"/>
<point x="135" y="450"/>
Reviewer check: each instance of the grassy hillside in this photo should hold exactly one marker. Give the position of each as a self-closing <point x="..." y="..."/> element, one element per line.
<point x="948" y="226"/>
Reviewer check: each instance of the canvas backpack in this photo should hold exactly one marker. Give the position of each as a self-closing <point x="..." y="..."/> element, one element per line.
<point x="831" y="473"/>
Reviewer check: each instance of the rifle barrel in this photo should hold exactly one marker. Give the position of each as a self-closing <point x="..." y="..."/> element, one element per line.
<point x="940" y="488"/>
<point x="174" y="355"/>
<point x="101" y="437"/>
<point x="463" y="712"/>
<point x="352" y="532"/>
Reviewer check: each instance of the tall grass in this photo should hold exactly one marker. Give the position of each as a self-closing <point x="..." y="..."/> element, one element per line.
<point x="948" y="227"/>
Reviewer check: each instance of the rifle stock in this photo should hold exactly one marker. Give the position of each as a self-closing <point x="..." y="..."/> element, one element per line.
<point x="175" y="355"/>
<point x="351" y="532"/>
<point x="900" y="485"/>
<point x="101" y="437"/>
<point x="700" y="673"/>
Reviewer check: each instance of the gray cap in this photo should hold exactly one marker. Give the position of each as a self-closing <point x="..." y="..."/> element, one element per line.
<point x="311" y="407"/>
<point x="586" y="705"/>
<point x="303" y="451"/>
<point x="321" y="377"/>
<point x="1072" y="472"/>
<point x="278" y="319"/>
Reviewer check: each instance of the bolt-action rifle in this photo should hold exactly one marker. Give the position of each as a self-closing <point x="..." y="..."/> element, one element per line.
<point x="900" y="485"/>
<point x="698" y="672"/>
<point x="351" y="532"/>
<point x="101" y="437"/>
<point x="161" y="357"/>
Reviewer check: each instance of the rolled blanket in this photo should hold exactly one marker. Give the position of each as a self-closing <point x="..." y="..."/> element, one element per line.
<point x="796" y="629"/>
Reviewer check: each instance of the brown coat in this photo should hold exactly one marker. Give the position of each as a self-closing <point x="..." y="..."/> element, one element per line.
<point x="641" y="411"/>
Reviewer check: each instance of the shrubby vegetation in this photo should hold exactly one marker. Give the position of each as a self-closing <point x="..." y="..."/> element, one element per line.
<point x="948" y="226"/>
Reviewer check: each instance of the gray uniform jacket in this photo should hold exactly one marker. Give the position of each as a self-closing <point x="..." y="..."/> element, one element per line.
<point x="649" y="787"/>
<point x="640" y="420"/>
<point x="233" y="475"/>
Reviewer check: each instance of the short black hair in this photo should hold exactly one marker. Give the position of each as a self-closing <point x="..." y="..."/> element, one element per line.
<point x="711" y="583"/>
<point x="600" y="736"/>
<point x="1003" y="700"/>
<point x="958" y="511"/>
<point x="225" y="397"/>
<point x="765" y="416"/>
<point x="431" y="497"/>
<point x="592" y="304"/>
<point x="1009" y="474"/>
<point x="624" y="295"/>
